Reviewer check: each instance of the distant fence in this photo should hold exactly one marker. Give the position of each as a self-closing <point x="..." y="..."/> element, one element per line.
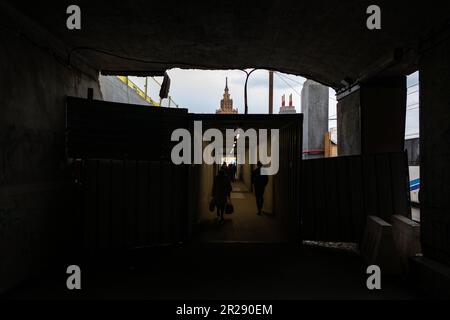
<point x="136" y="89"/>
<point x="338" y="193"/>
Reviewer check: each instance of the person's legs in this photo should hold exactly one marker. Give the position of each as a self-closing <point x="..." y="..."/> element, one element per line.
<point x="259" y="200"/>
<point x="222" y="209"/>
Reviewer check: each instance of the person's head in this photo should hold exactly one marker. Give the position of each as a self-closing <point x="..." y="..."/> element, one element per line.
<point x="259" y="164"/>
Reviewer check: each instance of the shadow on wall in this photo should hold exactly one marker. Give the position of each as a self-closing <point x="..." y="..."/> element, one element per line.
<point x="36" y="197"/>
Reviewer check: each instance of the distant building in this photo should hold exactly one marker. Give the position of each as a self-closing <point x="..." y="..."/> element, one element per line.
<point x="331" y="143"/>
<point x="314" y="106"/>
<point x="226" y="104"/>
<point x="287" y="109"/>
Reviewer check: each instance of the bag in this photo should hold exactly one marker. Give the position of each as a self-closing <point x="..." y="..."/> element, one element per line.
<point x="229" y="209"/>
<point x="212" y="204"/>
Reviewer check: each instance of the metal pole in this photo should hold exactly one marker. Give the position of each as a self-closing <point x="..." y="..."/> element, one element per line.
<point x="270" y="92"/>
<point x="146" y="79"/>
<point x="245" y="89"/>
<point x="245" y="96"/>
<point x="128" y="91"/>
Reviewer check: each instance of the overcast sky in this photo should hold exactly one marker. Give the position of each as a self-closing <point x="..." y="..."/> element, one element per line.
<point x="412" y="103"/>
<point x="200" y="91"/>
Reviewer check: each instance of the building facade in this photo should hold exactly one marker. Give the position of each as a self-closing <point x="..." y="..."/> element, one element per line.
<point x="287" y="109"/>
<point x="226" y="104"/>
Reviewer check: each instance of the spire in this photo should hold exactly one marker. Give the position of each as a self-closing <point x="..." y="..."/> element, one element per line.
<point x="226" y="104"/>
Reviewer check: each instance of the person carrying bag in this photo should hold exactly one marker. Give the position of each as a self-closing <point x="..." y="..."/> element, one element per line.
<point x="221" y="193"/>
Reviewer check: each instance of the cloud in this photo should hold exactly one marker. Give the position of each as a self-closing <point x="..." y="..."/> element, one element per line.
<point x="200" y="91"/>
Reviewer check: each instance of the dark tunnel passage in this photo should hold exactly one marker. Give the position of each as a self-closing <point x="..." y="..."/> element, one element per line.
<point x="93" y="183"/>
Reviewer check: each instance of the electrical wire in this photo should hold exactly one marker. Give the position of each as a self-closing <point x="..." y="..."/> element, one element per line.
<point x="73" y="50"/>
<point x="46" y="49"/>
<point x="288" y="84"/>
<point x="286" y="77"/>
<point x="180" y="63"/>
<point x="412" y="92"/>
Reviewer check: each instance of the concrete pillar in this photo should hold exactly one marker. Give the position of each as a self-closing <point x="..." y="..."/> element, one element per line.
<point x="314" y="106"/>
<point x="434" y="75"/>
<point x="372" y="119"/>
<point x="348" y="113"/>
<point x="383" y="112"/>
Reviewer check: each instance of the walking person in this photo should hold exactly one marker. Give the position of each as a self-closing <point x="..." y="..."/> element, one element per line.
<point x="231" y="172"/>
<point x="259" y="182"/>
<point x="221" y="191"/>
<point x="224" y="167"/>
<point x="234" y="171"/>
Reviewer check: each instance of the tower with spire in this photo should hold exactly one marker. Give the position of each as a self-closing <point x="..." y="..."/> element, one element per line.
<point x="226" y="104"/>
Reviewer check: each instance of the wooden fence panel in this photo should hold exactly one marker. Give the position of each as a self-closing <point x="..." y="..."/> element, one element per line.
<point x="133" y="203"/>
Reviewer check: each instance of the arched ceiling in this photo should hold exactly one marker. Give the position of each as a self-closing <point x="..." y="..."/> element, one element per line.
<point x="327" y="41"/>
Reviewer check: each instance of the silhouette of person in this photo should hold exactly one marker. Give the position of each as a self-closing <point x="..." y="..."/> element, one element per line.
<point x="259" y="184"/>
<point x="224" y="167"/>
<point x="231" y="172"/>
<point x="221" y="191"/>
<point x="234" y="171"/>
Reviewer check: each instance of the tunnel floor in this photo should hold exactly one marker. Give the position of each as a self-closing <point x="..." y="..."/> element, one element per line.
<point x="244" y="225"/>
<point x="220" y="271"/>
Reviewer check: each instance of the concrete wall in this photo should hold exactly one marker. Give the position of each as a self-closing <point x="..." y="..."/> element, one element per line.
<point x="383" y="115"/>
<point x="413" y="149"/>
<point x="315" y="122"/>
<point x="268" y="196"/>
<point x="434" y="73"/>
<point x="349" y="125"/>
<point x="37" y="211"/>
<point x="205" y="180"/>
<point x="372" y="120"/>
<point x="115" y="90"/>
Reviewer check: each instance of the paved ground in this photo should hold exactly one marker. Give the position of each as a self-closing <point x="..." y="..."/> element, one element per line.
<point x="244" y="225"/>
<point x="221" y="271"/>
<point x="242" y="258"/>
